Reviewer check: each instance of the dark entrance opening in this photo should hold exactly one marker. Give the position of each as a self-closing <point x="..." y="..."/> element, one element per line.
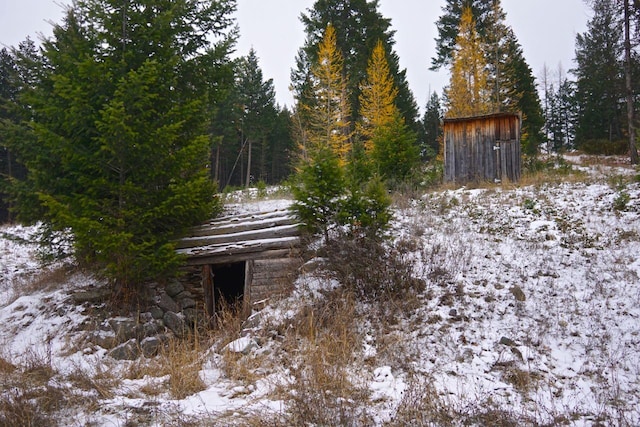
<point x="228" y="285"/>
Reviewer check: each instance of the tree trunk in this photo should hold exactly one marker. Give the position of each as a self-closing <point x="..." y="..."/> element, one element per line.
<point x="633" y="152"/>
<point x="10" y="176"/>
<point x="216" y="172"/>
<point x="248" y="182"/>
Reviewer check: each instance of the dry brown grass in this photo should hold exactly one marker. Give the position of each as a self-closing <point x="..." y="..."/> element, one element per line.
<point x="522" y="380"/>
<point x="227" y="323"/>
<point x="421" y="405"/>
<point x="180" y="360"/>
<point x="240" y="367"/>
<point x="47" y="278"/>
<point x="28" y="397"/>
<point x="100" y="379"/>
<point x="317" y="346"/>
<point x="6" y="367"/>
<point x="591" y="160"/>
<point x="321" y="343"/>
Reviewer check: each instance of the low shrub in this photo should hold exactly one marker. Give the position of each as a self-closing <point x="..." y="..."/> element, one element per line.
<point x="373" y="270"/>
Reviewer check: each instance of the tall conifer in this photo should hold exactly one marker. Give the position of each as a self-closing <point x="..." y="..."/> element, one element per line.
<point x="599" y="76"/>
<point x="258" y="115"/>
<point x="377" y="96"/>
<point x="391" y="144"/>
<point x="431" y="123"/>
<point x="328" y="111"/>
<point x="121" y="118"/>
<point x="468" y="93"/>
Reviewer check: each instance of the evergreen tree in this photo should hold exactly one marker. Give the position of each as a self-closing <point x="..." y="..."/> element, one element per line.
<point x="432" y="125"/>
<point x="391" y="144"/>
<point x="228" y="141"/>
<point x="332" y="187"/>
<point x="553" y="125"/>
<point x="9" y="89"/>
<point x="629" y="89"/>
<point x="321" y="188"/>
<point x="448" y="25"/>
<point x="599" y="76"/>
<point x="122" y="129"/>
<point x="468" y="93"/>
<point x="366" y="209"/>
<point x="281" y="147"/>
<point x="395" y="154"/>
<point x="258" y="114"/>
<point x="22" y="67"/>
<point x="522" y="95"/>
<point x="496" y="44"/>
<point x="560" y="117"/>
<point x="359" y="26"/>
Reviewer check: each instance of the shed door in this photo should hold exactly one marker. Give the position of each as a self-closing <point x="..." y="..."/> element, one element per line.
<point x="505" y="151"/>
<point x="226" y="285"/>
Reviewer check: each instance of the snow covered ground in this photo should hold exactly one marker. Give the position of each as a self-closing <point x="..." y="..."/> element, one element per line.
<point x="530" y="312"/>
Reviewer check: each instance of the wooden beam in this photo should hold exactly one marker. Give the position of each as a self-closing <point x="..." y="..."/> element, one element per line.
<point x="238" y="257"/>
<point x="236" y="227"/>
<point x="245" y="218"/>
<point x="242" y="247"/>
<point x="238" y="235"/>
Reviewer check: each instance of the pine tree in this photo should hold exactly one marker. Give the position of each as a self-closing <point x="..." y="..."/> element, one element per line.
<point x="432" y="125"/>
<point x="122" y="130"/>
<point x="522" y="95"/>
<point x="281" y="148"/>
<point x="599" y="81"/>
<point x="560" y="116"/>
<point x="628" y="73"/>
<point x="9" y="89"/>
<point x="468" y="93"/>
<point x="258" y="114"/>
<point x="366" y="209"/>
<point x="495" y="46"/>
<point x="395" y="154"/>
<point x="332" y="187"/>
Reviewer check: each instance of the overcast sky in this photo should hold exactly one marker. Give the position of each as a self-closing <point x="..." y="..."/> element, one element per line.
<point x="546" y="30"/>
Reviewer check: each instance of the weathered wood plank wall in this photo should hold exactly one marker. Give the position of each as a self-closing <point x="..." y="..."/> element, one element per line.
<point x="482" y="148"/>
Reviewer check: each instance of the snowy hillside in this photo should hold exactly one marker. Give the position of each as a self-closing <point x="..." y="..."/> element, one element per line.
<point x="528" y="313"/>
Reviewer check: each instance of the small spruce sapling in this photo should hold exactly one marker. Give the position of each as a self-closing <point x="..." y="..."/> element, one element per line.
<point x="366" y="210"/>
<point x="319" y="192"/>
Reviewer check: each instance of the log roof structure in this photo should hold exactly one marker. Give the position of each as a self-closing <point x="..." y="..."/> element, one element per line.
<point x="247" y="257"/>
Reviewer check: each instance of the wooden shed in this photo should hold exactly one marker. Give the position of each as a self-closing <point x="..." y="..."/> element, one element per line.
<point x="482" y="148"/>
<point x="243" y="258"/>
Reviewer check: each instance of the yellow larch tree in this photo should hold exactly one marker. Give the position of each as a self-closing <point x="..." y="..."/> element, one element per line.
<point x="328" y="117"/>
<point x="468" y="92"/>
<point x="377" y="96"/>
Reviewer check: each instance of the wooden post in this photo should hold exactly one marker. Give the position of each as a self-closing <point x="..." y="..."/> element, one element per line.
<point x="633" y="152"/>
<point x="209" y="294"/>
<point x="246" y="297"/>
